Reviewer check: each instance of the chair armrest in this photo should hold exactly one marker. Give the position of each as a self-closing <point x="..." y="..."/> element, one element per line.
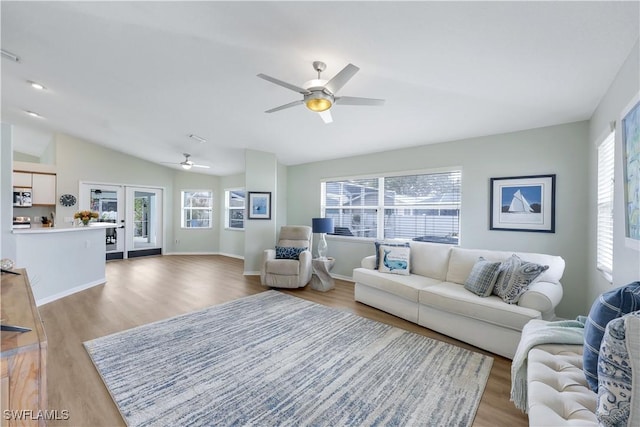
<point x="267" y="255"/>
<point x="544" y="297"/>
<point x="306" y="267"/>
<point x="369" y="262"/>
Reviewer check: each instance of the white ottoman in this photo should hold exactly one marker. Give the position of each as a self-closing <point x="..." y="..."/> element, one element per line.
<point x="558" y="394"/>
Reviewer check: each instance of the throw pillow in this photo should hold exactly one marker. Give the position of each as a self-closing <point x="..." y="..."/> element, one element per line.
<point x="618" y="397"/>
<point x="284" y="252"/>
<point x="394" y="259"/>
<point x="608" y="306"/>
<point x="378" y="243"/>
<point x="482" y="277"/>
<point x="515" y="277"/>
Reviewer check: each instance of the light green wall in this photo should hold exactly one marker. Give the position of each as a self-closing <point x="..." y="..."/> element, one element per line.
<point x="22" y="157"/>
<point x="231" y="241"/>
<point x="78" y="160"/>
<point x="195" y="241"/>
<point x="559" y="150"/>
<point x="626" y="261"/>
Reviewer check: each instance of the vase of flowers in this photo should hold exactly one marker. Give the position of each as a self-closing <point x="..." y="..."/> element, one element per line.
<point x="85" y="216"/>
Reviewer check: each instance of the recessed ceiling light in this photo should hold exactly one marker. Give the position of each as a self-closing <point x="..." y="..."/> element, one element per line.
<point x="36" y="85"/>
<point x="33" y="114"/>
<point x="9" y="55"/>
<point x="197" y="138"/>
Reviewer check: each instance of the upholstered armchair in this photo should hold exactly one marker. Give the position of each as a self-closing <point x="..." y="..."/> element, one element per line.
<point x="289" y="264"/>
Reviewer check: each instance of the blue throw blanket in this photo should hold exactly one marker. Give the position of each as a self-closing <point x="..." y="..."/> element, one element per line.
<point x="534" y="333"/>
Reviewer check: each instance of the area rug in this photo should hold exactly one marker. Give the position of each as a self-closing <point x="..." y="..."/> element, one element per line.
<point x="272" y="359"/>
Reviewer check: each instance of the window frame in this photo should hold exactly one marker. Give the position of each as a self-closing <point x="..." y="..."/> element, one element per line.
<point x="183" y="209"/>
<point x="380" y="207"/>
<point x="605" y="199"/>
<point x="228" y="208"/>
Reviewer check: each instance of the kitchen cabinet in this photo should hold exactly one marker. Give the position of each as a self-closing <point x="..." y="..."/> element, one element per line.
<point x="22" y="179"/>
<point x="43" y="189"/>
<point x="43" y="186"/>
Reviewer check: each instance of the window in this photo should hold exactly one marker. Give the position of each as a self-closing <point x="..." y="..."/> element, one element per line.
<point x="424" y="207"/>
<point x="234" y="209"/>
<point x="197" y="209"/>
<point x="604" y="235"/>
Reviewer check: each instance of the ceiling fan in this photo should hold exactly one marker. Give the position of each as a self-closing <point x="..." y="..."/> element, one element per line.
<point x="186" y="163"/>
<point x="320" y="95"/>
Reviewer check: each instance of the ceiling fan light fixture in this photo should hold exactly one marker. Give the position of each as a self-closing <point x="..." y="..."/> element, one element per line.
<point x="318" y="101"/>
<point x="186" y="166"/>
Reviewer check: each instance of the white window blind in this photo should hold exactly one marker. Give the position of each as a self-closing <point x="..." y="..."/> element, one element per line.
<point x="234" y="209"/>
<point x="197" y="209"/>
<point x="604" y="236"/>
<point x="424" y="207"/>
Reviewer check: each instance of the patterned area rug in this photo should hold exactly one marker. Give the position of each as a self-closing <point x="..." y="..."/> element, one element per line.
<point x="272" y="359"/>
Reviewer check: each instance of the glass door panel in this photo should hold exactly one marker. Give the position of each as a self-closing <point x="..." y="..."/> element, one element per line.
<point x="108" y="201"/>
<point x="144" y="213"/>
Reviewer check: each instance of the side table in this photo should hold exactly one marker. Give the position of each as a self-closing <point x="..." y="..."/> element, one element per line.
<point x="321" y="279"/>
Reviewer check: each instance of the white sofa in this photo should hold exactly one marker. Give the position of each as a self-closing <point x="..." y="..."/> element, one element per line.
<point x="433" y="295"/>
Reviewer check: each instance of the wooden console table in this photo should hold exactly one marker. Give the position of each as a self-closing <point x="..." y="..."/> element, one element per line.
<point x="23" y="355"/>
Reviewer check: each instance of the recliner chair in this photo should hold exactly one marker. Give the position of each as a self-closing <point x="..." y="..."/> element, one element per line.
<point x="288" y="273"/>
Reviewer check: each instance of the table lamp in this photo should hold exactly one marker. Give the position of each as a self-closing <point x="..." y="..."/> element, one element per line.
<point x="322" y="226"/>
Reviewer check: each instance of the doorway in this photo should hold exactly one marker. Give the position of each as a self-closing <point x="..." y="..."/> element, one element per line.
<point x="136" y="210"/>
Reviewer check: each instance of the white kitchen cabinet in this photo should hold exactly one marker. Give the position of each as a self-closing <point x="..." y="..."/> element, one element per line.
<point x="22" y="179"/>
<point x="43" y="189"/>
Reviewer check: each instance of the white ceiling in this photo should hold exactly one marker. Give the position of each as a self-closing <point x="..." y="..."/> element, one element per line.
<point x="139" y="77"/>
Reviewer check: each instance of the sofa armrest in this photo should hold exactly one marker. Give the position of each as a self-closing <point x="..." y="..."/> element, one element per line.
<point x="306" y="267"/>
<point x="267" y="255"/>
<point x="369" y="262"/>
<point x="544" y="297"/>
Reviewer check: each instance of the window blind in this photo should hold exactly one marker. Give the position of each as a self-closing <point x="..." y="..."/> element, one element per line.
<point x="604" y="234"/>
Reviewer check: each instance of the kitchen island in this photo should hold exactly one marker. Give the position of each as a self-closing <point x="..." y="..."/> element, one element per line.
<point x="62" y="260"/>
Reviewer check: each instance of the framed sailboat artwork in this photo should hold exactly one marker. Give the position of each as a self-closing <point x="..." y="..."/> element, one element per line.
<point x="523" y="203"/>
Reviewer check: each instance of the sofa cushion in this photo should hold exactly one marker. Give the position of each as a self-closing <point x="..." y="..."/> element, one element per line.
<point x="454" y="298"/>
<point x="482" y="277"/>
<point x="430" y="259"/>
<point x="619" y="351"/>
<point x="558" y="394"/>
<point x="403" y="286"/>
<point x="286" y="252"/>
<point x="515" y="277"/>
<point x="462" y="260"/>
<point x="386" y="243"/>
<point x="394" y="259"/>
<point x="608" y="306"/>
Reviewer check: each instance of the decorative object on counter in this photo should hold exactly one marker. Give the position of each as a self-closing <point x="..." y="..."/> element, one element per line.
<point x="46" y="222"/>
<point x="85" y="216"/>
<point x="6" y="264"/>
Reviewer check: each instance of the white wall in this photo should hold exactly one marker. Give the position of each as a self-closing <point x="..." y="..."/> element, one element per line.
<point x="231" y="241"/>
<point x="626" y="261"/>
<point x="559" y="150"/>
<point x="7" y="239"/>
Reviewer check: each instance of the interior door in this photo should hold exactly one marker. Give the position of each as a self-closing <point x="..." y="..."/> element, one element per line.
<point x="108" y="201"/>
<point x="144" y="221"/>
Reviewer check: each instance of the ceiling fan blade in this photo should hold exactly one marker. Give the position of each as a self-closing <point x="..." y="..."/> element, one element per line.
<point x="341" y="78"/>
<point x="282" y="107"/>
<point x="284" y="84"/>
<point x="353" y="100"/>
<point x="326" y="116"/>
<point x="201" y="166"/>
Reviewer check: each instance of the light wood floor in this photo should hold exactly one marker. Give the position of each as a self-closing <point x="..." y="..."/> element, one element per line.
<point x="143" y="290"/>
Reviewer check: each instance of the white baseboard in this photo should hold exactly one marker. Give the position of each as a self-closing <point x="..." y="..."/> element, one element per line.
<point x="205" y="253"/>
<point x="341" y="277"/>
<point x="251" y="273"/>
<point x="230" y="255"/>
<point x="47" y="300"/>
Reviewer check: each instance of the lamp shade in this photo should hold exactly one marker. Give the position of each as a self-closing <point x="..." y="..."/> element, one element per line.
<point x="322" y="225"/>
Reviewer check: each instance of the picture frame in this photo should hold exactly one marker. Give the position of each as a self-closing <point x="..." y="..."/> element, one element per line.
<point x="259" y="205"/>
<point x="631" y="170"/>
<point x="523" y="203"/>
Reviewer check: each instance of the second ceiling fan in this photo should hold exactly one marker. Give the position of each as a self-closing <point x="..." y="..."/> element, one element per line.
<point x="319" y="95"/>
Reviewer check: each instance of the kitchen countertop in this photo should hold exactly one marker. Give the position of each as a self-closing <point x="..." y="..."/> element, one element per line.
<point x="37" y="229"/>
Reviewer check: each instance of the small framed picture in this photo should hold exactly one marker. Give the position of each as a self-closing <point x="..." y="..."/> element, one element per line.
<point x="259" y="205"/>
<point x="523" y="203"/>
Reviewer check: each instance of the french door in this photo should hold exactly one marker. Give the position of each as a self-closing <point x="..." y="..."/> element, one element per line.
<point x="137" y="211"/>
